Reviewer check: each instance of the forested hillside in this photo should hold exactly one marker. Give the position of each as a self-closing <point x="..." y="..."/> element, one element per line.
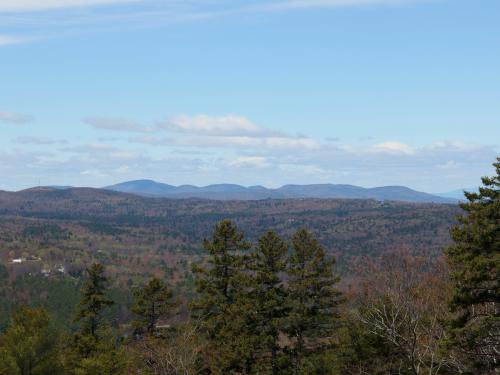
<point x="102" y="283"/>
<point x="57" y="233"/>
<point x="346" y="227"/>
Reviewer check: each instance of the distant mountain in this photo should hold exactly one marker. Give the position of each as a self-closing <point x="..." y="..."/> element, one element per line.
<point x="456" y="194"/>
<point x="59" y="187"/>
<point x="149" y="188"/>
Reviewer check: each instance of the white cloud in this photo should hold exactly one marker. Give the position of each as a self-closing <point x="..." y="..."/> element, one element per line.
<point x="304" y="169"/>
<point x="123" y="155"/>
<point x="264" y="142"/>
<point x="39" y="140"/>
<point x="117" y="124"/>
<point x="213" y="125"/>
<point x="6" y="40"/>
<point x="450" y="164"/>
<point x="203" y="131"/>
<point x="238" y="142"/>
<point x="92" y="148"/>
<point x="252" y="161"/>
<point x="123" y="169"/>
<point x="209" y="8"/>
<point x="453" y="147"/>
<point x="36" y="5"/>
<point x="394" y="148"/>
<point x="14" y="118"/>
<point x="429" y="168"/>
<point x="285" y="5"/>
<point x="312" y="3"/>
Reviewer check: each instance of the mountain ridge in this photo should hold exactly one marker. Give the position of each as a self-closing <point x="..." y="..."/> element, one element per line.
<point x="150" y="188"/>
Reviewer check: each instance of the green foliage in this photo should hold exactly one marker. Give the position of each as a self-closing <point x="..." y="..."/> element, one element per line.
<point x="475" y="261"/>
<point x="94" y="301"/>
<point x="93" y="349"/>
<point x="107" y="357"/>
<point x="152" y="302"/>
<point x="312" y="299"/>
<point x="359" y="351"/>
<point x="132" y="236"/>
<point x="245" y="306"/>
<point x="29" y="347"/>
<point x="268" y="297"/>
<point x="262" y="312"/>
<point x="220" y="306"/>
<point x="57" y="295"/>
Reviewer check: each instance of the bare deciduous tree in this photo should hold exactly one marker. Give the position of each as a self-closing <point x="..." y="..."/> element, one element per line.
<point x="404" y="302"/>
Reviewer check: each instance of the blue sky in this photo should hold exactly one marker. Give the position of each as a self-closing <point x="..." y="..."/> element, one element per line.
<point x="367" y="92"/>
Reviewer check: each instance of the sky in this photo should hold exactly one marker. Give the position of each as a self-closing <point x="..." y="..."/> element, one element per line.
<point x="253" y="92"/>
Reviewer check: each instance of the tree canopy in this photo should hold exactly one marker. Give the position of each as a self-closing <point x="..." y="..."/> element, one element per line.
<point x="475" y="261"/>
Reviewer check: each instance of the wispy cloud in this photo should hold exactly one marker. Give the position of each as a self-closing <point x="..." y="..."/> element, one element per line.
<point x="204" y="131"/>
<point x="202" y="6"/>
<point x="432" y="167"/>
<point x="36" y="5"/>
<point x="117" y="124"/>
<point x="301" y="4"/>
<point x="14" y="118"/>
<point x="394" y="148"/>
<point x="197" y="124"/>
<point x="234" y="142"/>
<point x="213" y="125"/>
<point x="39" y="140"/>
<point x="249" y="161"/>
<point x="45" y="16"/>
<point x="6" y="40"/>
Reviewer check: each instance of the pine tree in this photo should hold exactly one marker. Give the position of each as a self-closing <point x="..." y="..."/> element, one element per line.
<point x="94" y="301"/>
<point x="29" y="346"/>
<point x="474" y="258"/>
<point x="93" y="350"/>
<point x="220" y="305"/>
<point x="313" y="300"/>
<point x="152" y="302"/>
<point x="268" y="262"/>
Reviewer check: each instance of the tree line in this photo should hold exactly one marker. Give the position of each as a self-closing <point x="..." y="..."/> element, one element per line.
<point x="276" y="308"/>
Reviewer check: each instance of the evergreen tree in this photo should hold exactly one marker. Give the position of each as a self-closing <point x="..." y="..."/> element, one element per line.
<point x="94" y="350"/>
<point x="28" y="346"/>
<point x="220" y="306"/>
<point x="269" y="295"/>
<point x="152" y="302"/>
<point x="475" y="261"/>
<point x="313" y="300"/>
<point x="94" y="301"/>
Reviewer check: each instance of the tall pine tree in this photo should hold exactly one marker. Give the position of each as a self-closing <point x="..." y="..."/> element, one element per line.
<point x="268" y="263"/>
<point x="94" y="301"/>
<point x="220" y="303"/>
<point x="313" y="300"/>
<point x="94" y="350"/>
<point x="475" y="262"/>
<point x="152" y="302"/>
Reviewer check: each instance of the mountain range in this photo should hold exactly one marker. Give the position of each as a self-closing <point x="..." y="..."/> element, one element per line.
<point x="457" y="194"/>
<point x="149" y="188"/>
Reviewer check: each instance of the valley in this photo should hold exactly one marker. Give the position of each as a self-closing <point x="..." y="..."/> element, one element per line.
<point x="54" y="234"/>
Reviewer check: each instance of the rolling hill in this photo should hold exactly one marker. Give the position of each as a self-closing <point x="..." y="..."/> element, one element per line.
<point x="137" y="237"/>
<point x="149" y="188"/>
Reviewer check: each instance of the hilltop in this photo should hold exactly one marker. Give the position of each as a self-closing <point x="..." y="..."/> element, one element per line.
<point x="149" y="188"/>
